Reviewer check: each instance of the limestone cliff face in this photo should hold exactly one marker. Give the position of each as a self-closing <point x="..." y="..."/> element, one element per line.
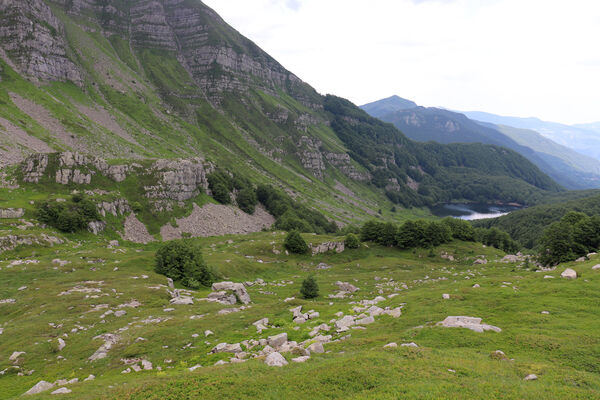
<point x="33" y="39"/>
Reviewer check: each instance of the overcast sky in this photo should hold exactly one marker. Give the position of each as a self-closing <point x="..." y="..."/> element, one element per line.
<point x="510" y="57"/>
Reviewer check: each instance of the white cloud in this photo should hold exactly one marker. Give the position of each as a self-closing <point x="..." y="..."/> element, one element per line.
<point x="512" y="57"/>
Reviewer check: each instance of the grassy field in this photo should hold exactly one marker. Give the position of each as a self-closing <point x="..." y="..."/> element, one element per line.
<point x="562" y="348"/>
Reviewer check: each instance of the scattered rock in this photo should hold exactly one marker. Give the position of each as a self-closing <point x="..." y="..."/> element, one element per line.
<point x="392" y="345"/>
<point x="195" y="367"/>
<point x="61" y="344"/>
<point x="411" y="344"/>
<point x="90" y="378"/>
<point x="239" y="291"/>
<point x="40" y="387"/>
<point x="316" y="348"/>
<point x="227" y="348"/>
<point x="498" y="355"/>
<point x="15" y="355"/>
<point x="446" y="296"/>
<point x="275" y="360"/>
<point x="300" y="359"/>
<point x="569" y="274"/>
<point x="277" y="340"/>
<point x="110" y="340"/>
<point x="471" y="323"/>
<point x="596" y="267"/>
<point x="531" y="377"/>
<point x="346" y="287"/>
<point x="62" y="390"/>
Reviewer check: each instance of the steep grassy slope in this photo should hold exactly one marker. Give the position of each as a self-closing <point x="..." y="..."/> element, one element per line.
<point x="561" y="347"/>
<point x="170" y="79"/>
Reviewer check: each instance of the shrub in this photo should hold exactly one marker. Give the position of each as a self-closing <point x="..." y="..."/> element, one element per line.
<point x="309" y="288"/>
<point x="351" y="241"/>
<point x="295" y="243"/>
<point x="246" y="200"/>
<point x="461" y="229"/>
<point x="181" y="260"/>
<point x="69" y="216"/>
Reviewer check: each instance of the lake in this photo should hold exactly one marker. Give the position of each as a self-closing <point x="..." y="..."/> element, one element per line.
<point x="472" y="211"/>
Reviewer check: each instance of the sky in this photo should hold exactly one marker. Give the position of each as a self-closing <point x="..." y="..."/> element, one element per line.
<point x="510" y="57"/>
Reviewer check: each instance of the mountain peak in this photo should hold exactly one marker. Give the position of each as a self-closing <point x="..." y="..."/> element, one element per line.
<point x="388" y="105"/>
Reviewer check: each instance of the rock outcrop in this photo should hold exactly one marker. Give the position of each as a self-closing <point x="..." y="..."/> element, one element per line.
<point x="471" y="323"/>
<point x="11" y="213"/>
<point x="33" y="39"/>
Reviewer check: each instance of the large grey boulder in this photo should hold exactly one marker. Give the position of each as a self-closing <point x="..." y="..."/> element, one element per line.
<point x="238" y="289"/>
<point x="471" y="323"/>
<point x="569" y="274"/>
<point x="40" y="387"/>
<point x="275" y="360"/>
<point x="227" y="348"/>
<point x="278" y="340"/>
<point x="346" y="287"/>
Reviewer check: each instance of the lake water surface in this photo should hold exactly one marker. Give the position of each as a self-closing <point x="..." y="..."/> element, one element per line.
<point x="472" y="211"/>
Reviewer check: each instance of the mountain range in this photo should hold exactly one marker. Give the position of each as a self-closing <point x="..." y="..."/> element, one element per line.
<point x="571" y="169"/>
<point x="129" y="81"/>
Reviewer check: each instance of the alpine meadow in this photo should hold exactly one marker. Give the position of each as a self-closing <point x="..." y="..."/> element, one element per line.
<point x="182" y="217"/>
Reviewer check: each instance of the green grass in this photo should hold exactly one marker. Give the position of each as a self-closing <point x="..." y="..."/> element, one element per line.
<point x="562" y="348"/>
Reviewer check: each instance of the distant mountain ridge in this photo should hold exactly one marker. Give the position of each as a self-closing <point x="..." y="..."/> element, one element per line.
<point x="584" y="139"/>
<point x="567" y="167"/>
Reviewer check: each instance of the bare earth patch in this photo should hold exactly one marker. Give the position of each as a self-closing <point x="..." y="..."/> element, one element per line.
<point x="216" y="220"/>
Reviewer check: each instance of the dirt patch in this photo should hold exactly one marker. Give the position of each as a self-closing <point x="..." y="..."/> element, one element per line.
<point x="15" y="143"/>
<point x="46" y="120"/>
<point x="135" y="231"/>
<point x="100" y="116"/>
<point x="216" y="220"/>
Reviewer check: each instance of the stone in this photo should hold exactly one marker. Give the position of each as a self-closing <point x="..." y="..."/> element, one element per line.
<point x="61" y="344"/>
<point x="476" y="286"/>
<point x="596" y="267"/>
<point x="170" y="283"/>
<point x="40" y="387"/>
<point x="531" y="377"/>
<point x="569" y="274"/>
<point x="110" y="340"/>
<point x="182" y="300"/>
<point x="411" y="344"/>
<point x="580" y="259"/>
<point x="345" y="322"/>
<point x="90" y="378"/>
<point x="11" y="213"/>
<point x="365" y="321"/>
<point x="471" y="323"/>
<point x="146" y="365"/>
<point x="227" y="348"/>
<point x="275" y="360"/>
<point x="346" y="287"/>
<point x="498" y="355"/>
<point x="222" y="297"/>
<point x="208" y="333"/>
<point x="195" y="367"/>
<point x="445" y="296"/>
<point x="15" y="355"/>
<point x="300" y="359"/>
<point x="546" y="312"/>
<point x="316" y="348"/>
<point x="62" y="390"/>
<point x="237" y="288"/>
<point x="394" y="312"/>
<point x="391" y="345"/>
<point x="480" y="261"/>
<point x="120" y="313"/>
<point x="278" y="340"/>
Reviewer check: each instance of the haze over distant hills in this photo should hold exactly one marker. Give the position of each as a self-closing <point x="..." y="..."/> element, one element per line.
<point x="584" y="138"/>
<point x="567" y="166"/>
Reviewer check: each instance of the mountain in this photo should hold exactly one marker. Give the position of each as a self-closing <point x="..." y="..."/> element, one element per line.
<point x="123" y="84"/>
<point x="581" y="139"/>
<point x="385" y="106"/>
<point x="593" y="126"/>
<point x="567" y="167"/>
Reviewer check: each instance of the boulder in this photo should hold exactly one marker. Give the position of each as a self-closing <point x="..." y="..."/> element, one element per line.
<point x="316" y="348"/>
<point x="61" y="344"/>
<point x="278" y="340"/>
<point x="237" y="288"/>
<point x="471" y="323"/>
<point x="40" y="387"/>
<point x="300" y="359"/>
<point x="569" y="274"/>
<point x="394" y="312"/>
<point x="411" y="344"/>
<point x="62" y="390"/>
<point x="227" y="348"/>
<point x="181" y="300"/>
<point x="345" y="322"/>
<point x="275" y="360"/>
<point x="365" y="321"/>
<point x="596" y="267"/>
<point x="391" y="345"/>
<point x="480" y="261"/>
<point x="15" y="355"/>
<point x="531" y="377"/>
<point x="445" y="296"/>
<point x="346" y="287"/>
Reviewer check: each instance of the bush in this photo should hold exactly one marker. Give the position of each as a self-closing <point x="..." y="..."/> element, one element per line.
<point x="309" y="288"/>
<point x="295" y="243"/>
<point x="69" y="216"/>
<point x="351" y="241"/>
<point x="246" y="200"/>
<point x="181" y="260"/>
